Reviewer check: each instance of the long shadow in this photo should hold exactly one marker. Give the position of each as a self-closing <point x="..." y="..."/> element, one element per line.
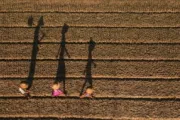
<point x="61" y="70"/>
<point x="35" y="49"/>
<point x="87" y="71"/>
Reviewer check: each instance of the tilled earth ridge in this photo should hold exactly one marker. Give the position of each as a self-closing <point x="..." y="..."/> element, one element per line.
<point x="136" y="56"/>
<point x="94" y="19"/>
<point x="76" y="68"/>
<point x="102" y="51"/>
<point x="84" y="107"/>
<point x="99" y="35"/>
<point x="116" y="88"/>
<point x="90" y="6"/>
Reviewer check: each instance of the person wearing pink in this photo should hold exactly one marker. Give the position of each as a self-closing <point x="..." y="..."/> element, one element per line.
<point x="56" y="90"/>
<point x="89" y="93"/>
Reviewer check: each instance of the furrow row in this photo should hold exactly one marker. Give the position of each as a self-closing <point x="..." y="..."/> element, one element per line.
<point x="128" y="35"/>
<point x="98" y="107"/>
<point x="95" y="68"/>
<point x="104" y="88"/>
<point x="91" y="19"/>
<point x="90" y="6"/>
<point x="101" y="52"/>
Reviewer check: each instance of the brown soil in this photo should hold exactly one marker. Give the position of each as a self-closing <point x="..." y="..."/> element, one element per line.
<point x="94" y="19"/>
<point x="105" y="35"/>
<point x="136" y="56"/>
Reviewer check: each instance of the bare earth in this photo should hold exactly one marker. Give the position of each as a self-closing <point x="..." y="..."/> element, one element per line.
<point x="136" y="56"/>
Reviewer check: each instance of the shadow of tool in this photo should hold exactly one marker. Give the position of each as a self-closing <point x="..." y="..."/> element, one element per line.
<point x="87" y="71"/>
<point x="35" y="49"/>
<point x="30" y="21"/>
<point x="61" y="70"/>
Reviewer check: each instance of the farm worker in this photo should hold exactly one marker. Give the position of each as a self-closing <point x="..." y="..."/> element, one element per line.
<point x="56" y="89"/>
<point x="88" y="93"/>
<point x="23" y="88"/>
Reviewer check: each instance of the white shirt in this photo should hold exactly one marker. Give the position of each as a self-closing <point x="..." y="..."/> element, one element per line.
<point x="22" y="91"/>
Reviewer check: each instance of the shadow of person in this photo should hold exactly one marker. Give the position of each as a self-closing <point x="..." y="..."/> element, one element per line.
<point x="61" y="70"/>
<point x="88" y="69"/>
<point x="35" y="49"/>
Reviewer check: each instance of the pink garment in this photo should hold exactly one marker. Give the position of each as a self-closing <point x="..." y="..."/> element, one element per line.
<point x="88" y="95"/>
<point x="57" y="92"/>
